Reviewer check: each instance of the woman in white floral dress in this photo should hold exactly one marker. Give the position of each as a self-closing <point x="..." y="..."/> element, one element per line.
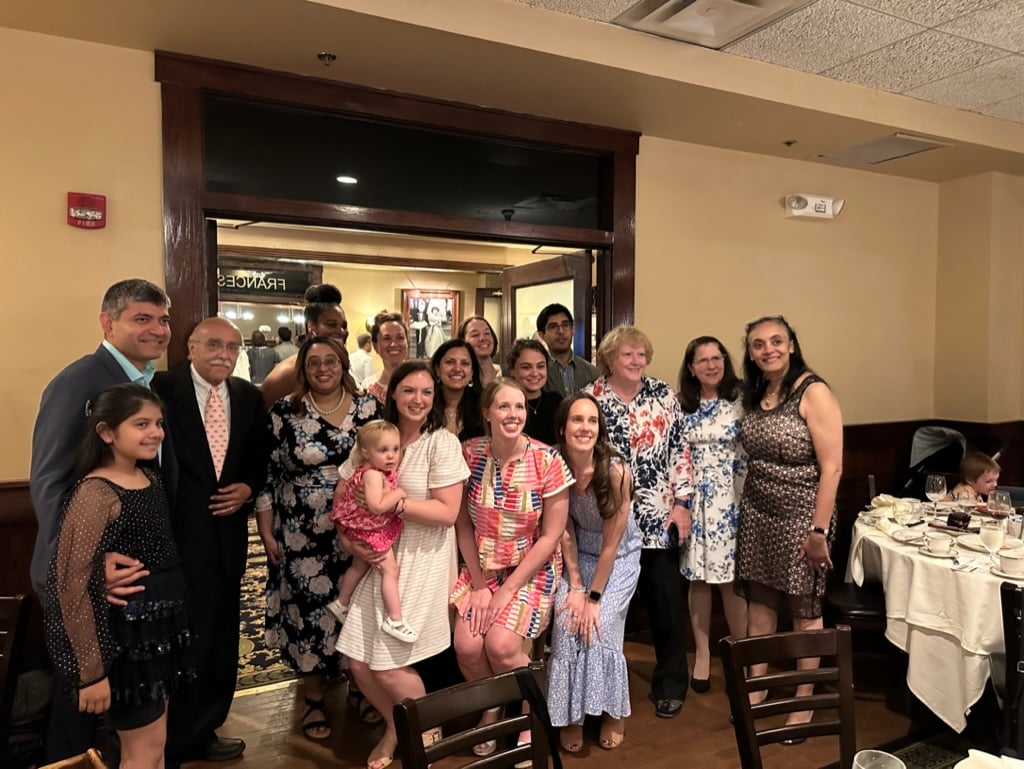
<point x="314" y="431"/>
<point x="709" y="394"/>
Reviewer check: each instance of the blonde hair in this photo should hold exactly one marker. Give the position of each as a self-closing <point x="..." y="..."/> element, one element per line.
<point x="975" y="464"/>
<point x="368" y="437"/>
<point x="489" y="393"/>
<point x="617" y="337"/>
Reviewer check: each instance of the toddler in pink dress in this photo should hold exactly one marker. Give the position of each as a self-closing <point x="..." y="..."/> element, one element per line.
<point x="378" y="522"/>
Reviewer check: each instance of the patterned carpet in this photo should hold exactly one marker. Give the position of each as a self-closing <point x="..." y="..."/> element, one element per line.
<point x="257" y="666"/>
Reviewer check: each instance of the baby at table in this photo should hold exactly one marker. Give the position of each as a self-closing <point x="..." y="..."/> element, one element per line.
<point x="979" y="474"/>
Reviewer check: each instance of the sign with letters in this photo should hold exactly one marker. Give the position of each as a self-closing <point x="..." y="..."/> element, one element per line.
<point x="270" y="283"/>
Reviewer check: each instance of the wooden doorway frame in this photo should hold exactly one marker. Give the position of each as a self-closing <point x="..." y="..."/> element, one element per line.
<point x="190" y="258"/>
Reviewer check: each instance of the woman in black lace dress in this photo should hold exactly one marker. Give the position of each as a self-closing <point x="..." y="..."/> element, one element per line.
<point x="123" y="659"/>
<point x="793" y="434"/>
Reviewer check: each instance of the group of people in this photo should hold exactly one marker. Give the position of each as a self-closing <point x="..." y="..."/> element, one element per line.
<point x="440" y="507"/>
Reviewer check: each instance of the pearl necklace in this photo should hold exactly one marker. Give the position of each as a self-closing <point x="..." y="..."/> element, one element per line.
<point x="328" y="412"/>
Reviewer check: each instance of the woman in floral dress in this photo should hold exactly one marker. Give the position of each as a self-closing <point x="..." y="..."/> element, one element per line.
<point x="709" y="394"/>
<point x="314" y="431"/>
<point x="645" y="425"/>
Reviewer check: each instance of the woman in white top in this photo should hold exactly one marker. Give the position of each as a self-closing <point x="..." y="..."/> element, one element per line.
<point x="432" y="472"/>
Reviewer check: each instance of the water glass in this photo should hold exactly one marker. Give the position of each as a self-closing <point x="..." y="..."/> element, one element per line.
<point x="992" y="536"/>
<point x="876" y="759"/>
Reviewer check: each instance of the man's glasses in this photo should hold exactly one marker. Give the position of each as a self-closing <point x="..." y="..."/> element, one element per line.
<point x="214" y="345"/>
<point x="565" y="325"/>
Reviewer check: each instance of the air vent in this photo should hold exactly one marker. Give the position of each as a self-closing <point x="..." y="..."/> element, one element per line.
<point x="711" y="23"/>
<point x="883" y="150"/>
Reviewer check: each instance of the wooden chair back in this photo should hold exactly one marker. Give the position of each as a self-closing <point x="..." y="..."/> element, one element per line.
<point x="14" y="611"/>
<point x="835" y="672"/>
<point x="445" y="708"/>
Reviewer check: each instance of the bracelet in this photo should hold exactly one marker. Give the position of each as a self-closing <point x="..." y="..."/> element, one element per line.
<point x="578" y="590"/>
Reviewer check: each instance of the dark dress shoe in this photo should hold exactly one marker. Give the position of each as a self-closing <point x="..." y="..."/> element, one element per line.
<point x="223" y="749"/>
<point x="794" y="741"/>
<point x="667" y="708"/>
<point x="700" y="685"/>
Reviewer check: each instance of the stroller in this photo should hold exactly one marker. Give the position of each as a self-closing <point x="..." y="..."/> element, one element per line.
<point x="937" y="450"/>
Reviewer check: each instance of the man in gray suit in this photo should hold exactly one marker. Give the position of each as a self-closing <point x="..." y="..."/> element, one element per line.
<point x="136" y="330"/>
<point x="567" y="372"/>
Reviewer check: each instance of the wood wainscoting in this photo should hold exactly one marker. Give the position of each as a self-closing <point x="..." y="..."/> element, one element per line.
<point x="17" y="537"/>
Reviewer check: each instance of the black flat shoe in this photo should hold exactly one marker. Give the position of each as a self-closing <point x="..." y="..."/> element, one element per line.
<point x="700" y="685"/>
<point x="223" y="749"/>
<point x="667" y="708"/>
<point x="794" y="741"/>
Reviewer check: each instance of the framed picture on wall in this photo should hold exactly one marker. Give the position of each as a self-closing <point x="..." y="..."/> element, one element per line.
<point x="432" y="315"/>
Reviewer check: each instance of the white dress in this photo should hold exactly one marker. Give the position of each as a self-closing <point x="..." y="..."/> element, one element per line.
<point x="426" y="558"/>
<point x="719" y="465"/>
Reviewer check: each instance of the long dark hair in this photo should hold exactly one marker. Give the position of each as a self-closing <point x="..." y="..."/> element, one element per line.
<point x="754" y="383"/>
<point x="348" y="382"/>
<point x="468" y="410"/>
<point x="435" y="417"/>
<point x="689" y="385"/>
<point x="608" y="494"/>
<point x="113" y="406"/>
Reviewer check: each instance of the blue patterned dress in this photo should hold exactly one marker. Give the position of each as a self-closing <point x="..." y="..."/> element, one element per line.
<point x="713" y="434"/>
<point x="591" y="680"/>
<point x="300" y="487"/>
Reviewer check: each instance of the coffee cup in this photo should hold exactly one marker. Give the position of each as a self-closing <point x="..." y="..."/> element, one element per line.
<point x="1012" y="562"/>
<point x="938" y="543"/>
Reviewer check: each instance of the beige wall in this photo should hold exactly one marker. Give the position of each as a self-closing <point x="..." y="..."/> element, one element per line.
<point x="715" y="251"/>
<point x="77" y="117"/>
<point x="713" y="248"/>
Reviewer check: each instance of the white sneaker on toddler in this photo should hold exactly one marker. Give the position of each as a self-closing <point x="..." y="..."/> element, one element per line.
<point x="338" y="609"/>
<point x="399" y="629"/>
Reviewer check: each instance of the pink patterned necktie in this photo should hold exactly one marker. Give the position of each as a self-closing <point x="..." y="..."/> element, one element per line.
<point x="216" y="429"/>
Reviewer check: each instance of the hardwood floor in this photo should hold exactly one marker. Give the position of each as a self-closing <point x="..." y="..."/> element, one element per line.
<point x="701" y="736"/>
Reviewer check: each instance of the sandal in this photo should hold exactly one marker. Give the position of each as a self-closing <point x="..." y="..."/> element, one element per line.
<point x="308" y="727"/>
<point x="368" y="714"/>
<point x="338" y="609"/>
<point x="399" y="628"/>
<point x="612" y="732"/>
<point x="380" y="757"/>
<point x="571" y="738"/>
<point x="488" y="717"/>
<point x="526" y="764"/>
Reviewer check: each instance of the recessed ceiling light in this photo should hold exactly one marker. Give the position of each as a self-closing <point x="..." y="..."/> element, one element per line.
<point x="347" y="180"/>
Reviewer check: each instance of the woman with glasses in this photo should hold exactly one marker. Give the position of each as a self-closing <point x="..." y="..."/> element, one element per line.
<point x="709" y="394"/>
<point x="313" y="432"/>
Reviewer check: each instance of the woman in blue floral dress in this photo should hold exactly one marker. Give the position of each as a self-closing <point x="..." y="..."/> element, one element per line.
<point x="645" y="425"/>
<point x="314" y="431"/>
<point x="709" y="393"/>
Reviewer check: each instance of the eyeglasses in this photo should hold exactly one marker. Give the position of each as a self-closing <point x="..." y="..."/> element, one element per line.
<point x="565" y="325"/>
<point x="714" y="359"/>
<point x="312" y="364"/>
<point x="214" y="345"/>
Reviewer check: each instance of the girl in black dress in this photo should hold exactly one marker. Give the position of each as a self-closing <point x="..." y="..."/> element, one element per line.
<point x="123" y="660"/>
<point x="528" y="365"/>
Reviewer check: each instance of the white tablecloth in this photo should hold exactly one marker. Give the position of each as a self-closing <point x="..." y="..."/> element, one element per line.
<point x="949" y="622"/>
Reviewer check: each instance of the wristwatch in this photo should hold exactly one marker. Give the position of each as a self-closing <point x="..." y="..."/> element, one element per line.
<point x="595" y="595"/>
<point x="818" y="530"/>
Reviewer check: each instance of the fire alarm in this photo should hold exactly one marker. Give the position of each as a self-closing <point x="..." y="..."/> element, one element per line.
<point x="87" y="211"/>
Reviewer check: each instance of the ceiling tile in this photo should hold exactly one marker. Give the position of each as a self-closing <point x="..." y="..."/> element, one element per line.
<point x="1001" y="25"/>
<point x="601" y="10"/>
<point x="1010" y="109"/>
<point x="992" y="82"/>
<point x="931" y="13"/>
<point x="822" y="35"/>
<point x="914" y="61"/>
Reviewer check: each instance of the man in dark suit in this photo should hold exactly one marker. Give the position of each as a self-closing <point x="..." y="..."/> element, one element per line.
<point x="136" y="330"/>
<point x="222" y="446"/>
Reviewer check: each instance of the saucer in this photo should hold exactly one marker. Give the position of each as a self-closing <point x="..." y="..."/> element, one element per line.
<point x="973" y="542"/>
<point x="908" y="535"/>
<point x="1000" y="573"/>
<point x="925" y="551"/>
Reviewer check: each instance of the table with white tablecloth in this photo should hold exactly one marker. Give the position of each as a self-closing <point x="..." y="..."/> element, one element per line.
<point x="948" y="622"/>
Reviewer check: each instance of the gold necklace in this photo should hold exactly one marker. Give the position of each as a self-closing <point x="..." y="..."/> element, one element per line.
<point x="328" y="412"/>
<point x="771" y="400"/>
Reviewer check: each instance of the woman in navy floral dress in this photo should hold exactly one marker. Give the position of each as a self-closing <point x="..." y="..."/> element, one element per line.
<point x="314" y="431"/>
<point x="645" y="425"/>
<point x="709" y="394"/>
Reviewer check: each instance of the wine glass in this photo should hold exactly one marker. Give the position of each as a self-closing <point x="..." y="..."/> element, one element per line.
<point x="999" y="504"/>
<point x="935" y="490"/>
<point x="992" y="536"/>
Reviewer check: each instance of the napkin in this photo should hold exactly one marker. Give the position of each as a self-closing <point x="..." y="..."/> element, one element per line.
<point x="978" y="759"/>
<point x="889" y="506"/>
<point x="887" y="526"/>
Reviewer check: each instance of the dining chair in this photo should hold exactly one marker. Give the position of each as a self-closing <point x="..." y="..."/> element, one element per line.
<point x="91" y="759"/>
<point x="14" y="611"/>
<point x="445" y="709"/>
<point x="786" y="648"/>
<point x="1012" y="603"/>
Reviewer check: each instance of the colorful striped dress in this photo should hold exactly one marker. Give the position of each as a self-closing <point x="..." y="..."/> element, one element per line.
<point x="505" y="505"/>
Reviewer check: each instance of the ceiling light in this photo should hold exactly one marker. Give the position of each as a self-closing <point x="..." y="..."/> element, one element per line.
<point x="347" y="180"/>
<point x="247" y="315"/>
<point x="230" y="314"/>
<point x="282" y="318"/>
